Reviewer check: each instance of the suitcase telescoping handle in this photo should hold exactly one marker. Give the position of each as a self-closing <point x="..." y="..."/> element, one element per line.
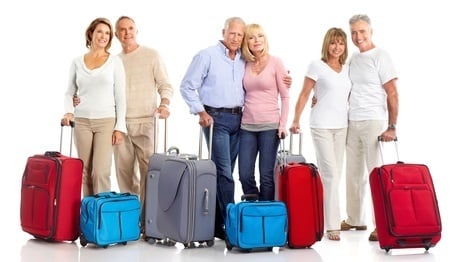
<point x="210" y="141"/>
<point x="72" y="125"/>
<point x="380" y="146"/>
<point x="291" y="142"/>
<point x="282" y="152"/>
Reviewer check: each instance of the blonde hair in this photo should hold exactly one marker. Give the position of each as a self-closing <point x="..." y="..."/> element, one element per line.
<point x="334" y="34"/>
<point x="251" y="30"/>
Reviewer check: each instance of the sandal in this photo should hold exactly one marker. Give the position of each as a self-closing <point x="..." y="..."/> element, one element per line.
<point x="333" y="235"/>
<point x="345" y="226"/>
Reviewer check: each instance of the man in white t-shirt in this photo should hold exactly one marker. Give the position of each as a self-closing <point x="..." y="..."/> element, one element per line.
<point x="373" y="112"/>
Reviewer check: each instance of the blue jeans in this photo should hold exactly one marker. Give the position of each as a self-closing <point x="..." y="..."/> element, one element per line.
<point x="225" y="148"/>
<point x="266" y="144"/>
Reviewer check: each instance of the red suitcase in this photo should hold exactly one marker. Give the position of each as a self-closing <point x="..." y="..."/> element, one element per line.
<point x="51" y="195"/>
<point x="299" y="186"/>
<point x="405" y="205"/>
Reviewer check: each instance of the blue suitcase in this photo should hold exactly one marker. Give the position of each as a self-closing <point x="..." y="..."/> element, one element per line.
<point x="109" y="218"/>
<point x="253" y="224"/>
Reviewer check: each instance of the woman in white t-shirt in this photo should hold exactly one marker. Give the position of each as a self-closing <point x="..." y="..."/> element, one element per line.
<point x="329" y="80"/>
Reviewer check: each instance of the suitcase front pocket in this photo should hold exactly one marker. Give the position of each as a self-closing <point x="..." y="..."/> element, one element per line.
<point x="263" y="225"/>
<point x="119" y="221"/>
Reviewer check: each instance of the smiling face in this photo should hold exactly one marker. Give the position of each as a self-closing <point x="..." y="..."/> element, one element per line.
<point x="361" y="35"/>
<point x="126" y="32"/>
<point x="101" y="36"/>
<point x="336" y="47"/>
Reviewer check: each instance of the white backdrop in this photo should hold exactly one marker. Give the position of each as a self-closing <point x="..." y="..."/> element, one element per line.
<point x="40" y="38"/>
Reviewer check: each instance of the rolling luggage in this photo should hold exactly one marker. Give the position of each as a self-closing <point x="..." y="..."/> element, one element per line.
<point x="152" y="233"/>
<point x="300" y="187"/>
<point x="51" y="195"/>
<point x="110" y="218"/>
<point x="252" y="224"/>
<point x="187" y="198"/>
<point x="287" y="156"/>
<point x="405" y="205"/>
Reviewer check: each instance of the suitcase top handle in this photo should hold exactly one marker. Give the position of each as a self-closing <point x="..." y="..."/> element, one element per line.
<point x="111" y="194"/>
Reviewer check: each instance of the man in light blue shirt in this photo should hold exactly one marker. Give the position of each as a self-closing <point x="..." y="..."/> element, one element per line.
<point x="212" y="87"/>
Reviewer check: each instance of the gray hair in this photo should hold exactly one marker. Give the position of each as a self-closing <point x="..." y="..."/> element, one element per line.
<point x="360" y="17"/>
<point x="233" y="19"/>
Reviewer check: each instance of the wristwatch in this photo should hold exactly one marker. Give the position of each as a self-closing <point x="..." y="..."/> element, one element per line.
<point x="392" y="126"/>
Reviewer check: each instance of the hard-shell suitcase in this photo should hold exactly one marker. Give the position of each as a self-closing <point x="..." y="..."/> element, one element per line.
<point x="110" y="218"/>
<point x="51" y="195"/>
<point x="152" y="233"/>
<point x="252" y="224"/>
<point x="187" y="198"/>
<point x="300" y="187"/>
<point x="405" y="205"/>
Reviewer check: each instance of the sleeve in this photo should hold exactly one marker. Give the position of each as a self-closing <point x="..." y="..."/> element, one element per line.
<point x="386" y="68"/>
<point x="164" y="88"/>
<point x="120" y="95"/>
<point x="312" y="71"/>
<point x="193" y="81"/>
<point x="71" y="89"/>
<point x="284" y="92"/>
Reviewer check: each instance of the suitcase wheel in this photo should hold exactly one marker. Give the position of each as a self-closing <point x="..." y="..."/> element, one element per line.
<point x="83" y="241"/>
<point x="124" y="243"/>
<point x="210" y="243"/>
<point x="228" y="245"/>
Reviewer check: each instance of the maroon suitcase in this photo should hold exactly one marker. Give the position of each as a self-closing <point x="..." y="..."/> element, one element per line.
<point x="405" y="205"/>
<point x="51" y="195"/>
<point x="299" y="185"/>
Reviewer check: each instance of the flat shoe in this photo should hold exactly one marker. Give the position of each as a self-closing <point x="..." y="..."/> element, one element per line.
<point x="344" y="226"/>
<point x="373" y="236"/>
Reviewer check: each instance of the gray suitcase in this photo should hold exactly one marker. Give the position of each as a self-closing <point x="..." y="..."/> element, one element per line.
<point x="152" y="233"/>
<point x="187" y="199"/>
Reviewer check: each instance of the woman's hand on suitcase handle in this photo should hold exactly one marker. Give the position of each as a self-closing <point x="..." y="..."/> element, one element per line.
<point x="67" y="120"/>
<point x="295" y="128"/>
<point x="282" y="133"/>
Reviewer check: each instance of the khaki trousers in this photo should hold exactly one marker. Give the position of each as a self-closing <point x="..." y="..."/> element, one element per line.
<point x="362" y="155"/>
<point x="93" y="141"/>
<point x="132" y="156"/>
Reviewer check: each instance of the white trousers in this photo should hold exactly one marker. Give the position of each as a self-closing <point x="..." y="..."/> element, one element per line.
<point x="329" y="149"/>
<point x="363" y="154"/>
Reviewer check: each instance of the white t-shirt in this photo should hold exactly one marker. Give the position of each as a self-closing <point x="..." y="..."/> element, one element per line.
<point x="331" y="91"/>
<point x="369" y="71"/>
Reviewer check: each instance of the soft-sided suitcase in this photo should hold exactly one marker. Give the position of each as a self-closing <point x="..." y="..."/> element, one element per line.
<point x="51" y="195"/>
<point x="299" y="185"/>
<point x="287" y="156"/>
<point x="405" y="205"/>
<point x="109" y="218"/>
<point x="152" y="233"/>
<point x="253" y="224"/>
<point x="187" y="198"/>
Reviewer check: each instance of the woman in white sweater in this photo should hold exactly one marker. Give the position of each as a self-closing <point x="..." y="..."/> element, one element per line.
<point x="98" y="79"/>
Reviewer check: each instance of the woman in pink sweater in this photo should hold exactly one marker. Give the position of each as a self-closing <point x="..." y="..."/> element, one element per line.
<point x="265" y="113"/>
